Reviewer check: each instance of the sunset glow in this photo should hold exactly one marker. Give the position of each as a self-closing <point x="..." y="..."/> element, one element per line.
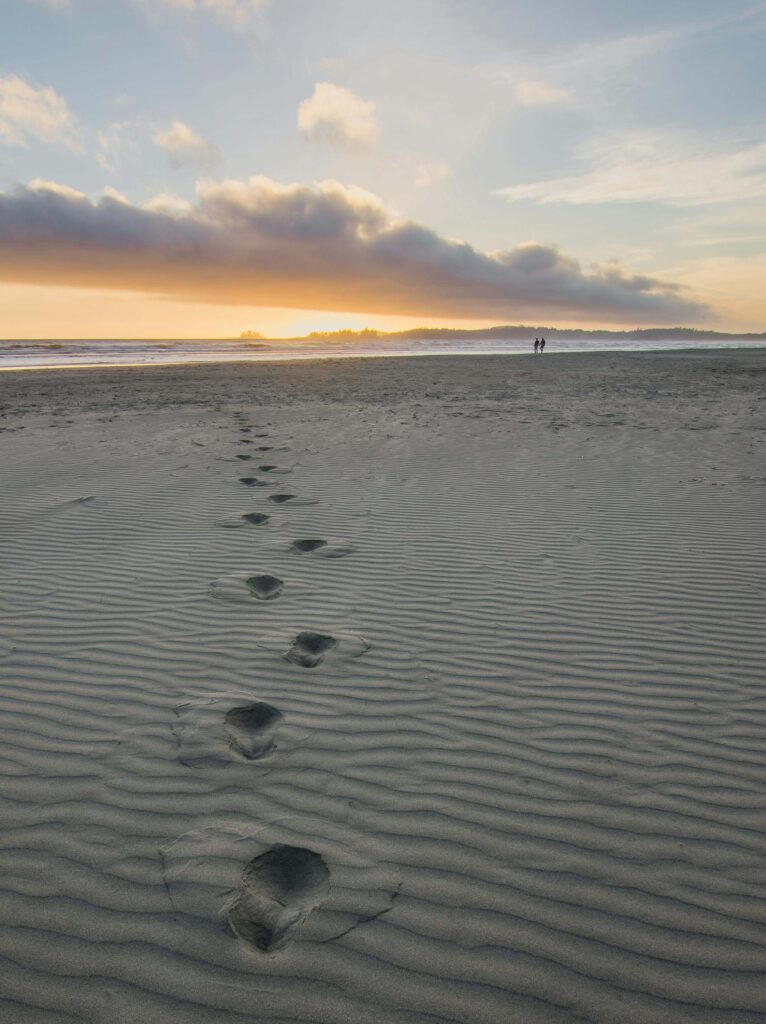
<point x="419" y="167"/>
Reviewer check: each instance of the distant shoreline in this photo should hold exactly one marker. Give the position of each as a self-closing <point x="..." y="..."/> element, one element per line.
<point x="525" y="332"/>
<point x="508" y="332"/>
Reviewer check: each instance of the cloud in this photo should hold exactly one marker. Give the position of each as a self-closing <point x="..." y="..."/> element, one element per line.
<point x="333" y="247"/>
<point x="184" y="148"/>
<point x="587" y="71"/>
<point x="593" y="74"/>
<point x="234" y="12"/>
<point x="112" y="143"/>
<point x="533" y="93"/>
<point x="642" y="167"/>
<point x="602" y="59"/>
<point x="54" y="5"/>
<point x="55" y="189"/>
<point x="29" y="113"/>
<point x="337" y="116"/>
<point x="171" y="205"/>
<point x="725" y="227"/>
<point x="428" y="174"/>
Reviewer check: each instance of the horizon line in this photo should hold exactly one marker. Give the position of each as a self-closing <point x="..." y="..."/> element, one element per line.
<point x="357" y="334"/>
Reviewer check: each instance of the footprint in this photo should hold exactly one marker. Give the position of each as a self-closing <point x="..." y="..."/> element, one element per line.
<point x="277" y="892"/>
<point x="214" y="731"/>
<point x="280" y="880"/>
<point x="250" y="729"/>
<point x="308" y="545"/>
<point x="323" y="548"/>
<point x="265" y="448"/>
<point x="252" y="481"/>
<point x="265" y="588"/>
<point x="244" y="457"/>
<point x="311" y="648"/>
<point x="246" y="587"/>
<point x="308" y="649"/>
<point x="249" y="518"/>
<point x="293" y="499"/>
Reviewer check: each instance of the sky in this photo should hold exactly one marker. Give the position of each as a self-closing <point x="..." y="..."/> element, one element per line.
<point x="198" y="168"/>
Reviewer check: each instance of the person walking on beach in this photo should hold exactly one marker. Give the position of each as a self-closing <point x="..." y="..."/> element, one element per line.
<point x="542" y="345"/>
<point x="537" y="343"/>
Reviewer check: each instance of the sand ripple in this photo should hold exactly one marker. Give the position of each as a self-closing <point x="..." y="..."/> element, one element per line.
<point x="506" y="763"/>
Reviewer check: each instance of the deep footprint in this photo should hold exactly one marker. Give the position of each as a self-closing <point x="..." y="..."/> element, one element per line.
<point x="277" y="892"/>
<point x="252" y="481"/>
<point x="256" y="518"/>
<point x="250" y="729"/>
<point x="308" y="545"/>
<point x="244" y="457"/>
<point x="308" y="649"/>
<point x="265" y="588"/>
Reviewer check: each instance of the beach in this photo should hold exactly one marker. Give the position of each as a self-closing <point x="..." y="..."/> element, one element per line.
<point x="385" y="691"/>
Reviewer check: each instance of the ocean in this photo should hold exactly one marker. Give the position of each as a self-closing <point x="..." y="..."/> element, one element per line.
<point x="51" y="354"/>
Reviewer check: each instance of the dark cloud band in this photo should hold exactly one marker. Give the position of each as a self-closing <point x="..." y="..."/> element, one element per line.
<point x="332" y="247"/>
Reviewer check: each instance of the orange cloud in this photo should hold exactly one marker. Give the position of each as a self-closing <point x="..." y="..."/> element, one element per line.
<point x="332" y="247"/>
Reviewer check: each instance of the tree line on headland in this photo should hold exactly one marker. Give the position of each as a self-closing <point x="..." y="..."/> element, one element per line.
<point x="516" y="332"/>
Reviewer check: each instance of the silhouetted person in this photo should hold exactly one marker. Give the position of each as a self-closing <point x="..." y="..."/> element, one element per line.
<point x="542" y="345"/>
<point x="537" y="344"/>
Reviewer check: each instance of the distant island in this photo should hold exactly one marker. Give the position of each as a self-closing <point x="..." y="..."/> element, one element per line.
<point x="519" y="332"/>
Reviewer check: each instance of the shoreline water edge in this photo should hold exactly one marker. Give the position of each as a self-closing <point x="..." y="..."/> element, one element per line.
<point x="50" y="354"/>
